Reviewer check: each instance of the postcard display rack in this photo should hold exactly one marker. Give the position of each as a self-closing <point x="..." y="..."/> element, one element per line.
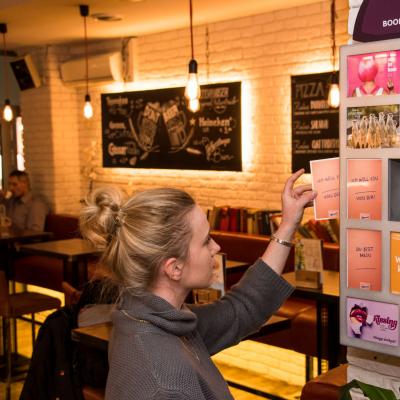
<point x="370" y="196"/>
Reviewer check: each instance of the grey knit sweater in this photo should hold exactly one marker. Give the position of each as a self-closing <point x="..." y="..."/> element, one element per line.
<point x="160" y="353"/>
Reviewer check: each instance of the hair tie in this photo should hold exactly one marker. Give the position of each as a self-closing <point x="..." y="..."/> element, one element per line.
<point x="119" y="218"/>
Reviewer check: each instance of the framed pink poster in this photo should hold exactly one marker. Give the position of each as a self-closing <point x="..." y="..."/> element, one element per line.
<point x="325" y="180"/>
<point x="373" y="74"/>
<point x="373" y="321"/>
<point x="364" y="259"/>
<point x="364" y="189"/>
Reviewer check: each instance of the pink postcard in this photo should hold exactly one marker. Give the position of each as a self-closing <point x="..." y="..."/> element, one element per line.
<point x="373" y="321"/>
<point x="395" y="262"/>
<point x="325" y="181"/>
<point x="364" y="189"/>
<point x="364" y="265"/>
<point x="373" y="74"/>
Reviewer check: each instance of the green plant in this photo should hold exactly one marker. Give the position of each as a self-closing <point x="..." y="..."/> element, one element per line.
<point x="370" y="391"/>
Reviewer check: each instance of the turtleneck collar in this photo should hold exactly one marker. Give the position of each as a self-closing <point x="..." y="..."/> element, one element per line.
<point x="158" y="312"/>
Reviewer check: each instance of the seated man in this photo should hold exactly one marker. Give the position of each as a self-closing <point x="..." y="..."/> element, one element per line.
<point x="26" y="210"/>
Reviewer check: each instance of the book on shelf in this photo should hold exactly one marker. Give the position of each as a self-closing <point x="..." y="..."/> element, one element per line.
<point x="251" y="218"/>
<point x="234" y="219"/>
<point x="223" y="221"/>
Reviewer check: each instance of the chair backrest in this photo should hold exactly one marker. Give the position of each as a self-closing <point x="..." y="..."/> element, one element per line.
<point x="71" y="294"/>
<point x="4" y="297"/>
<point x="63" y="226"/>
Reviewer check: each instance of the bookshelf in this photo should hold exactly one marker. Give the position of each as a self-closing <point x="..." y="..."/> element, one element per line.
<point x="265" y="222"/>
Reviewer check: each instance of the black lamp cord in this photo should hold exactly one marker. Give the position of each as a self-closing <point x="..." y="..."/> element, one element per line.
<point x="86" y="55"/>
<point x="191" y="27"/>
<point x="4" y="31"/>
<point x="333" y="33"/>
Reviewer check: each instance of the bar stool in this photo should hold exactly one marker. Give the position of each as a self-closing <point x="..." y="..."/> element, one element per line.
<point x="16" y="305"/>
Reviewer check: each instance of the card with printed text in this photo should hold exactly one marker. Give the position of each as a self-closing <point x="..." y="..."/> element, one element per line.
<point x="364" y="189"/>
<point x="364" y="259"/>
<point x="325" y="181"/>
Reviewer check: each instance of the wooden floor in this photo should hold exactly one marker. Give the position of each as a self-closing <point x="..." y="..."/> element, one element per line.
<point x="279" y="389"/>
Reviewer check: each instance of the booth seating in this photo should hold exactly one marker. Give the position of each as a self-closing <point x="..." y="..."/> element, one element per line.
<point x="325" y="386"/>
<point x="47" y="271"/>
<point x="301" y="336"/>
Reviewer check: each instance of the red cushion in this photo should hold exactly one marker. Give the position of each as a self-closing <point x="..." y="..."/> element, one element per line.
<point x="40" y="271"/>
<point x="63" y="226"/>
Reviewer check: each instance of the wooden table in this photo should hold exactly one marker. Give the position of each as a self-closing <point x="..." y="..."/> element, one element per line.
<point x="71" y="251"/>
<point x="327" y="302"/>
<point x="97" y="336"/>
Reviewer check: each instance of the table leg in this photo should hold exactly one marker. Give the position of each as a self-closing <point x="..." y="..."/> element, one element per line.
<point x="319" y="337"/>
<point x="334" y="348"/>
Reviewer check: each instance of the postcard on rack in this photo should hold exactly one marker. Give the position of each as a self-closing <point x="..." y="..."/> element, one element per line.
<point x="373" y="321"/>
<point x="370" y="127"/>
<point x="364" y="189"/>
<point x="308" y="263"/>
<point x="325" y="181"/>
<point x="364" y="259"/>
<point x="395" y="262"/>
<point x="373" y="74"/>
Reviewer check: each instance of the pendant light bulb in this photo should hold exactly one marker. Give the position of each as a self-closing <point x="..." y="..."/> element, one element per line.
<point x="334" y="96"/>
<point x="334" y="92"/>
<point x="194" y="105"/>
<point x="87" y="108"/>
<point x="192" y="90"/>
<point x="7" y="111"/>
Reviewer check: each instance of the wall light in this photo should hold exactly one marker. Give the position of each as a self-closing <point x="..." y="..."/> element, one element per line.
<point x="7" y="110"/>
<point x="87" y="109"/>
<point x="192" y="91"/>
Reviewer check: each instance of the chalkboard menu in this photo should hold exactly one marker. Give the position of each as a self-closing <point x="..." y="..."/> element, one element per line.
<point x="315" y="125"/>
<point x="155" y="129"/>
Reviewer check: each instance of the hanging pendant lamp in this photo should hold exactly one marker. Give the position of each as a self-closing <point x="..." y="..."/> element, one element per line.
<point x="7" y="110"/>
<point x="192" y="90"/>
<point x="87" y="108"/>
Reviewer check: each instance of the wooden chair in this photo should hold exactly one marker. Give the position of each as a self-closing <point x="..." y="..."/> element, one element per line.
<point x="71" y="294"/>
<point x="16" y="305"/>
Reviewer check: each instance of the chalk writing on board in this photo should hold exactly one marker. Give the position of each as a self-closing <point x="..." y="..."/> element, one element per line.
<point x="154" y="129"/>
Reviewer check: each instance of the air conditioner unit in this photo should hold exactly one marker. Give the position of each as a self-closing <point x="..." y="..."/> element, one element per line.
<point x="101" y="68"/>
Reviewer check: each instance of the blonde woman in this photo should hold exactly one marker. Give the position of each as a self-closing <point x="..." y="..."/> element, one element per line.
<point x="158" y="247"/>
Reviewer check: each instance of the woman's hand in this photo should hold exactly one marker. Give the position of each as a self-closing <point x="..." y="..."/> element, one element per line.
<point x="294" y="200"/>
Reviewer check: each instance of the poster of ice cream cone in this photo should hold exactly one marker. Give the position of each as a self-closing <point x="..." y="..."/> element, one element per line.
<point x="325" y="181"/>
<point x="373" y="321"/>
<point x="373" y="74"/>
<point x="364" y="189"/>
<point x="395" y="262"/>
<point x="364" y="259"/>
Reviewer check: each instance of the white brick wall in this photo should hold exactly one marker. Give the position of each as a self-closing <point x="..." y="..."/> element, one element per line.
<point x="51" y="134"/>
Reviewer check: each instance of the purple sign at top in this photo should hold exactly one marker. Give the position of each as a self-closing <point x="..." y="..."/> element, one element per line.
<point x="377" y="20"/>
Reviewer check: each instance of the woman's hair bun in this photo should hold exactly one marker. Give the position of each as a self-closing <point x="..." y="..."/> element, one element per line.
<point x="98" y="217"/>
